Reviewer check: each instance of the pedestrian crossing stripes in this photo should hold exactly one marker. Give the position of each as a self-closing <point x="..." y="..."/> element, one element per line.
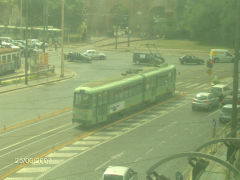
<point x="32" y="171"/>
<point x="182" y="86"/>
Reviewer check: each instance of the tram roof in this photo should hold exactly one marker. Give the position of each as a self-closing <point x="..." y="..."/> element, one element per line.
<point x="119" y="81"/>
<point x="7" y="50"/>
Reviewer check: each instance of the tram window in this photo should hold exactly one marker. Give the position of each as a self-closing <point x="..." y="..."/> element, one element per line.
<point x="94" y="99"/>
<point x="77" y="98"/>
<point x="14" y="57"/>
<point x="105" y="98"/>
<point x="9" y="58"/>
<point x="3" y="59"/>
<point x="85" y="99"/>
<point x="99" y="98"/>
<point x="81" y="99"/>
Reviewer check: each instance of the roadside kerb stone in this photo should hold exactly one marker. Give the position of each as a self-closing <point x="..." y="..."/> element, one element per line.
<point x="33" y="83"/>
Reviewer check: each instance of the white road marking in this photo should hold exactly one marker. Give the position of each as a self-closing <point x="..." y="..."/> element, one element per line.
<point x="19" y="178"/>
<point x="33" y="169"/>
<point x="150" y="150"/>
<point x="96" y="144"/>
<point x="167" y="126"/>
<point x="29" y="125"/>
<point x="73" y="148"/>
<point x="111" y="158"/>
<point x="195" y="84"/>
<point x="89" y="138"/>
<point x="59" y="154"/>
<point x="201" y="86"/>
<point x="32" y="138"/>
<point x="177" y="83"/>
<point x="138" y="159"/>
<point x="86" y="143"/>
<point x="53" y="161"/>
<point x="107" y="133"/>
<point x="187" y="84"/>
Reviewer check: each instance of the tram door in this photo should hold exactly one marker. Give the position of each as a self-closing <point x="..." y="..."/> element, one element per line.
<point x="101" y="107"/>
<point x="154" y="87"/>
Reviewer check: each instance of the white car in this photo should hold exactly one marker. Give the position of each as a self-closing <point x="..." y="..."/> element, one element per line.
<point x="93" y="54"/>
<point x="221" y="90"/>
<point x="221" y="55"/>
<point x="119" y="173"/>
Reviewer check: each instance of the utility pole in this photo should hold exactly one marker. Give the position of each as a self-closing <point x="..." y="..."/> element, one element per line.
<point x="21" y="19"/>
<point x="45" y="20"/>
<point x="235" y="73"/>
<point x="26" y="48"/>
<point x="62" y="55"/>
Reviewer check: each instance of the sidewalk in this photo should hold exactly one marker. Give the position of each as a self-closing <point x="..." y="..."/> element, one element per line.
<point x="31" y="83"/>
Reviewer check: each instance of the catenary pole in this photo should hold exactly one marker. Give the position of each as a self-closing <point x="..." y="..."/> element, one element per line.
<point x="235" y="73"/>
<point x="62" y="55"/>
<point x="26" y="48"/>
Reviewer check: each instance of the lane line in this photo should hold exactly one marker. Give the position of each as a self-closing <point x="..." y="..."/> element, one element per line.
<point x="77" y="138"/>
<point x="35" y="120"/>
<point x="116" y="156"/>
<point x="30" y="125"/>
<point x="33" y="137"/>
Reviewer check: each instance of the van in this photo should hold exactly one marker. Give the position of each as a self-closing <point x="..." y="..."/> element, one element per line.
<point x="226" y="113"/>
<point x="221" y="90"/>
<point x="221" y="55"/>
<point x="119" y="173"/>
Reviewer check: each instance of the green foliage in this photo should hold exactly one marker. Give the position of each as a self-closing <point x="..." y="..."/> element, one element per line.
<point x="206" y="21"/>
<point x="74" y="13"/>
<point x="119" y="16"/>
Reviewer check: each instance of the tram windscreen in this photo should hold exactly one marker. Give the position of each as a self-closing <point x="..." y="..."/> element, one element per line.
<point x="81" y="99"/>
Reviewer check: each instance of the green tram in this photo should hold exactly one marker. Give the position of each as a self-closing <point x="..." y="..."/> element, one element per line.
<point x="10" y="60"/>
<point x="101" y="101"/>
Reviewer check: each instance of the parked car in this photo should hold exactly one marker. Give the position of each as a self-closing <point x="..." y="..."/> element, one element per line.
<point x="190" y="59"/>
<point x="119" y="173"/>
<point x="221" y="55"/>
<point x="226" y="113"/>
<point x="76" y="56"/>
<point x="205" y="100"/>
<point x="6" y="39"/>
<point x="229" y="99"/>
<point x="147" y="58"/>
<point x="93" y="54"/>
<point x="221" y="90"/>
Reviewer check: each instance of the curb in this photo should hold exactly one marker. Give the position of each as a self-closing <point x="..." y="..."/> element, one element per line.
<point x="34" y="85"/>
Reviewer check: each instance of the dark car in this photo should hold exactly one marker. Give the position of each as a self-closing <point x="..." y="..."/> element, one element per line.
<point x="75" y="56"/>
<point x="147" y="58"/>
<point x="189" y="59"/>
<point x="205" y="100"/>
<point x="229" y="99"/>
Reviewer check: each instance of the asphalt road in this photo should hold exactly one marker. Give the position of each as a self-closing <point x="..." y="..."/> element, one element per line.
<point x="139" y="142"/>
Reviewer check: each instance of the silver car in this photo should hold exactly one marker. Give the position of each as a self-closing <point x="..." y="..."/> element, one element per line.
<point x="205" y="100"/>
<point x="93" y="54"/>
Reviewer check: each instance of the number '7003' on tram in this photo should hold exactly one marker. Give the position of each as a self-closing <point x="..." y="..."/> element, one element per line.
<point x="101" y="101"/>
